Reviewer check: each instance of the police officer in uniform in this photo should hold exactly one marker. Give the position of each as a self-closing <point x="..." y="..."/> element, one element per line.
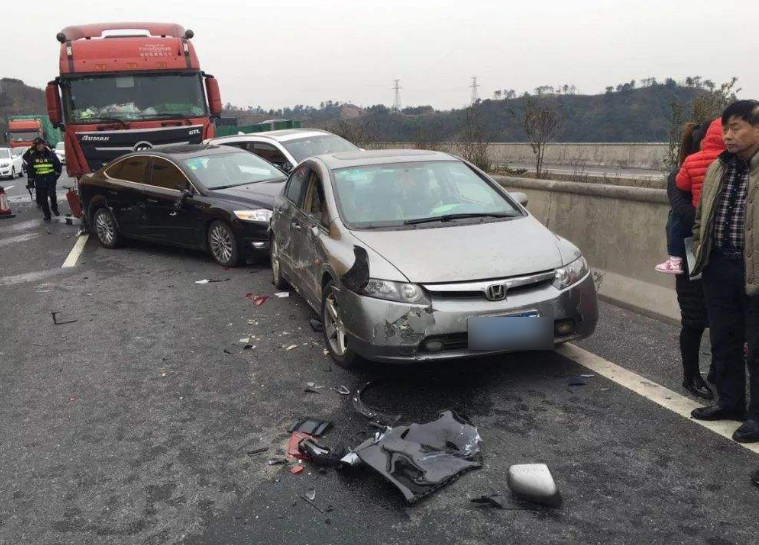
<point x="43" y="168"/>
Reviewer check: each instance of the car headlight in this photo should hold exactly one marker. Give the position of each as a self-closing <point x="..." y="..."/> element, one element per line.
<point x="571" y="274"/>
<point x="259" y="214"/>
<point x="393" y="291"/>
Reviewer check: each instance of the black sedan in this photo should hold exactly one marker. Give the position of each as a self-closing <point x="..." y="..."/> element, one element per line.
<point x="213" y="198"/>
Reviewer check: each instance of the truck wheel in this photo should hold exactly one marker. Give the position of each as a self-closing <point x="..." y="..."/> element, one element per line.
<point x="334" y="330"/>
<point x="223" y="244"/>
<point x="106" y="228"/>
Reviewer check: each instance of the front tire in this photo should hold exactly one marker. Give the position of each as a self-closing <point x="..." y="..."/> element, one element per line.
<point x="334" y="330"/>
<point x="105" y="227"/>
<point x="222" y="244"/>
<point x="276" y="266"/>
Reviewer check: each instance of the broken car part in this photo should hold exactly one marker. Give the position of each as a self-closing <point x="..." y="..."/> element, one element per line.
<point x="491" y="500"/>
<point x="293" y="445"/>
<point x="311" y="426"/>
<point x="358" y="275"/>
<point x="320" y="455"/>
<point x="258" y="450"/>
<point x="369" y="412"/>
<point x="56" y="321"/>
<point x="421" y="458"/>
<point x="342" y="390"/>
<point x="534" y="482"/>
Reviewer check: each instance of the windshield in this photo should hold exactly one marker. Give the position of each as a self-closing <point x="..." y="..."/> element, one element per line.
<point x="22" y="136"/>
<point x="220" y="171"/>
<point x="303" y="148"/>
<point x="5" y="153"/>
<point x="391" y="195"/>
<point x="133" y="97"/>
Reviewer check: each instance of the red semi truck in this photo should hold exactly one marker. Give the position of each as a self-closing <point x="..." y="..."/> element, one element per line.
<point x="129" y="86"/>
<point x="21" y="132"/>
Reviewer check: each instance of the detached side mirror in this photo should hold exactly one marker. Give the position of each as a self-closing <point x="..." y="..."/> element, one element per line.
<point x="520" y="197"/>
<point x="214" y="96"/>
<point x="53" y="102"/>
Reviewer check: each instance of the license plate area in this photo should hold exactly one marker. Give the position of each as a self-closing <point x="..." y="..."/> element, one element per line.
<point x="525" y="330"/>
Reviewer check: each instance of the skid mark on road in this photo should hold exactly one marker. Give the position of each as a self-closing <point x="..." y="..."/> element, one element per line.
<point x="19" y="238"/>
<point x="76" y="251"/>
<point x="650" y="390"/>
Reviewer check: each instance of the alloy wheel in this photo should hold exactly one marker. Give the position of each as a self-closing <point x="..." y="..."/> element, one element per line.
<point x="221" y="243"/>
<point x="105" y="228"/>
<point x="334" y="327"/>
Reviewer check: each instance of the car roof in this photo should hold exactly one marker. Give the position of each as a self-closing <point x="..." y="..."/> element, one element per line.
<point x="347" y="159"/>
<point x="187" y="151"/>
<point x="282" y="135"/>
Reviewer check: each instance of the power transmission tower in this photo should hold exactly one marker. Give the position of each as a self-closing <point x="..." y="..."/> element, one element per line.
<point x="474" y="86"/>
<point x="397" y="100"/>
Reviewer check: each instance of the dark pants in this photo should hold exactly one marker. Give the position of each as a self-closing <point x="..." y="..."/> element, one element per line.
<point x="677" y="232"/>
<point x="733" y="321"/>
<point x="690" y="349"/>
<point x="46" y="191"/>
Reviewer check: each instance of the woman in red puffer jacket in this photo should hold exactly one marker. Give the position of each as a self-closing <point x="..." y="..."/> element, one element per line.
<point x="691" y="178"/>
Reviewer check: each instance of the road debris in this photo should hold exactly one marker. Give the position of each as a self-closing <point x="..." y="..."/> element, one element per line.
<point x="490" y="500"/>
<point x="316" y="325"/>
<point x="211" y="280"/>
<point x="291" y="347"/>
<point x="311" y="426"/>
<point x="369" y="412"/>
<point x="282" y="294"/>
<point x="419" y="459"/>
<point x="342" y="390"/>
<point x="257" y="300"/>
<point x="320" y="455"/>
<point x="534" y="482"/>
<point x="577" y="381"/>
<point x="311" y="494"/>
<point x="277" y="462"/>
<point x="310" y="500"/>
<point x="296" y="469"/>
<point x="58" y="321"/>
<point x="258" y="450"/>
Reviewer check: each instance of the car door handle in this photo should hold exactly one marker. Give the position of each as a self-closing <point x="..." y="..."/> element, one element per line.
<point x="154" y="201"/>
<point x="295" y="225"/>
<point x="112" y="192"/>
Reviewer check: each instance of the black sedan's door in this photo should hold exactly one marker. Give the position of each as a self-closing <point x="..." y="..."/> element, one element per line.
<point x="124" y="192"/>
<point x="170" y="217"/>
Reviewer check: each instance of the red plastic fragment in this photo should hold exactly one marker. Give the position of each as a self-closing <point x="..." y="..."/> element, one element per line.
<point x="292" y="446"/>
<point x="297" y="469"/>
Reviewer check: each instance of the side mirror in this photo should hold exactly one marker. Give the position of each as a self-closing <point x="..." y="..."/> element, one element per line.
<point x="287" y="167"/>
<point x="53" y="102"/>
<point x="520" y="197"/>
<point x="534" y="482"/>
<point x="214" y="96"/>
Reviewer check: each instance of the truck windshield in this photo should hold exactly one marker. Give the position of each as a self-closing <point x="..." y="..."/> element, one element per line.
<point x="22" y="136"/>
<point x="133" y="97"/>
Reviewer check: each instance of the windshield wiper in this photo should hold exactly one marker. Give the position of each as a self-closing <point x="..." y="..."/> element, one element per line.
<point x="449" y="217"/>
<point x="96" y="120"/>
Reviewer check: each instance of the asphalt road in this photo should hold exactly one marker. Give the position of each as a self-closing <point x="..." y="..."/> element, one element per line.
<point x="133" y="424"/>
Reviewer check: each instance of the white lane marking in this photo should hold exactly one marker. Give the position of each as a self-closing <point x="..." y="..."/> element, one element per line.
<point x="17" y="238"/>
<point x="24" y="225"/>
<point x="76" y="251"/>
<point x="28" y="277"/>
<point x="8" y="187"/>
<point x="650" y="390"/>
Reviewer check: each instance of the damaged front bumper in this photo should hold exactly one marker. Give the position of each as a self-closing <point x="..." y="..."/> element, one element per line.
<point x="392" y="332"/>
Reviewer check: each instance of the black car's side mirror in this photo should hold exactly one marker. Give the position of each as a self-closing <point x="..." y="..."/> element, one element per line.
<point x="286" y="167"/>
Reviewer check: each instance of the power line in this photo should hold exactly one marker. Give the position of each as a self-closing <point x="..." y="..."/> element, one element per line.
<point x="397" y="100"/>
<point x="473" y="87"/>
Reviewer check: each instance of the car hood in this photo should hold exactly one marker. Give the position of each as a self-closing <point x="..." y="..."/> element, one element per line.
<point x="259" y="193"/>
<point x="468" y="252"/>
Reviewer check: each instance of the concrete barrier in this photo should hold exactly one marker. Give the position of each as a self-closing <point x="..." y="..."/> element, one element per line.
<point x="571" y="154"/>
<point x="621" y="232"/>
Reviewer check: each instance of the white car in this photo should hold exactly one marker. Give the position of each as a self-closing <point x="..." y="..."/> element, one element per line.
<point x="288" y="147"/>
<point x="11" y="165"/>
<point x="60" y="151"/>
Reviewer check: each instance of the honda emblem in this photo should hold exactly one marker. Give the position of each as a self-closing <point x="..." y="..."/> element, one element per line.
<point x="496" y="292"/>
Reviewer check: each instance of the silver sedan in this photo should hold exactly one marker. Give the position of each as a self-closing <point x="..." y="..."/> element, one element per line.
<point x="410" y="255"/>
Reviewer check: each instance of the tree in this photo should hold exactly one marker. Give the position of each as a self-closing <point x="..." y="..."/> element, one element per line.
<point x="497" y="94"/>
<point x="542" y="121"/>
<point x="474" y="145"/>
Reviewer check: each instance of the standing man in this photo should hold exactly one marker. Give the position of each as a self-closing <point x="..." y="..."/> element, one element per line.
<point x="726" y="238"/>
<point x="44" y="167"/>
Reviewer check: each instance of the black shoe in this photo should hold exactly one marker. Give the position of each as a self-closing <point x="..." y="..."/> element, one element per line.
<point x="46" y="219"/>
<point x="56" y="212"/>
<point x="698" y="387"/>
<point x="748" y="432"/>
<point x="715" y="412"/>
<point x="755" y="477"/>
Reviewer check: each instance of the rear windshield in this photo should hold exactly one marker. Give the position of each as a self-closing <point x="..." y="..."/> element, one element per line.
<point x="393" y="195"/>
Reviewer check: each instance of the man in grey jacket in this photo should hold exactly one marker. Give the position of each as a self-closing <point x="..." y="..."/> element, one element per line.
<point x="727" y="253"/>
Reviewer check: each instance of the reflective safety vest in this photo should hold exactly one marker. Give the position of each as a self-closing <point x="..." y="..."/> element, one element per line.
<point x="43" y="167"/>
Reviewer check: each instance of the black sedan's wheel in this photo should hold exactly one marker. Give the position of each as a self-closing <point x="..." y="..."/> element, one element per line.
<point x="223" y="244"/>
<point x="106" y="228"/>
<point x="276" y="266"/>
<point x="334" y="330"/>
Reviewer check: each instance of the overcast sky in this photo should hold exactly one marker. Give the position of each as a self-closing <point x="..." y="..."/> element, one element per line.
<point x="286" y="52"/>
